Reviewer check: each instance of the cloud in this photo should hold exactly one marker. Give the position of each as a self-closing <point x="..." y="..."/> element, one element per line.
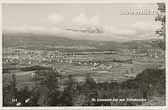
<point x="32" y="29"/>
<point x="55" y="18"/>
<point x="145" y="26"/>
<point x="139" y="27"/>
<point x="137" y="31"/>
<point x="119" y="31"/>
<point x="94" y="20"/>
<point x="82" y="19"/>
<point x="145" y="30"/>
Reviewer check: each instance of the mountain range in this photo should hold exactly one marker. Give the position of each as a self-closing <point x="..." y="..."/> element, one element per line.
<point x="53" y="42"/>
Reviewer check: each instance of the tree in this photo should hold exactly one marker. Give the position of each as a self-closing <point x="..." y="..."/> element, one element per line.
<point x="10" y="91"/>
<point x="89" y="89"/>
<point x="69" y="92"/>
<point x="48" y="86"/>
<point x="161" y="18"/>
<point x="47" y="77"/>
<point x="90" y="82"/>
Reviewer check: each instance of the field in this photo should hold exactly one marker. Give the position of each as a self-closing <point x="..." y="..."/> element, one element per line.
<point x="101" y="67"/>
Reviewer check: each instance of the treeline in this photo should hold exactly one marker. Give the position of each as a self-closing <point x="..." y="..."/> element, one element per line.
<point x="29" y="68"/>
<point x="48" y="92"/>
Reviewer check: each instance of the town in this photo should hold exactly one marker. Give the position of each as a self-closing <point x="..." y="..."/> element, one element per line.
<point x="75" y="62"/>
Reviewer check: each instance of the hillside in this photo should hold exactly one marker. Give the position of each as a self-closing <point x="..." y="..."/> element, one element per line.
<point x="51" y="42"/>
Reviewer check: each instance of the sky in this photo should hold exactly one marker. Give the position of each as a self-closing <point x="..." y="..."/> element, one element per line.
<point x="55" y="18"/>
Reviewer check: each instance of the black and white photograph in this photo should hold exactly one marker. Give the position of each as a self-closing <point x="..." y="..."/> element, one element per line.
<point x="83" y="54"/>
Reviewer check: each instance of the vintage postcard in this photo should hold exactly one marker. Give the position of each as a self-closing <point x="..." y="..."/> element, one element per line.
<point x="83" y="54"/>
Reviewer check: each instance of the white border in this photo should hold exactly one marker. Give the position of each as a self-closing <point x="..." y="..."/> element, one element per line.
<point x="82" y="107"/>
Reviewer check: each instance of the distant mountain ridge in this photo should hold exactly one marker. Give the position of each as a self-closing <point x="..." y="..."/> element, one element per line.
<point x="41" y="41"/>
